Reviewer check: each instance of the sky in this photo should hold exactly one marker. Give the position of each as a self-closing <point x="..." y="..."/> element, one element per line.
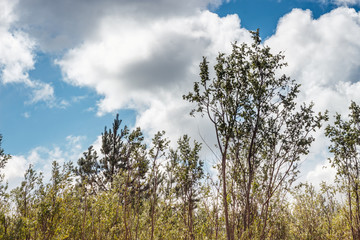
<point x="68" y="67"/>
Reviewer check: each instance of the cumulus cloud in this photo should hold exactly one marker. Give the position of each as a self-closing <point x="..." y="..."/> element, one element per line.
<point x="62" y="24"/>
<point x="148" y="66"/>
<point x="16" y="48"/>
<point x="129" y="59"/>
<point x="17" y="56"/>
<point x="324" y="57"/>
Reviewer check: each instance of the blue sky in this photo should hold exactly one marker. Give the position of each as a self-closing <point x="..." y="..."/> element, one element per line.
<point x="67" y="67"/>
<point x="265" y="14"/>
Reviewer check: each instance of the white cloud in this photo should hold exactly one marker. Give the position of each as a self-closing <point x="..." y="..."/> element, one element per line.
<point x="42" y="92"/>
<point x="15" y="168"/>
<point x="41" y="158"/>
<point x="58" y="25"/>
<point x="74" y="144"/>
<point x="339" y="2"/>
<point x="128" y="59"/>
<point x="324" y="57"/>
<point x="26" y="115"/>
<point x="323" y="54"/>
<point x="346" y="2"/>
<point x="323" y="172"/>
<point x="17" y="56"/>
<point x="148" y="66"/>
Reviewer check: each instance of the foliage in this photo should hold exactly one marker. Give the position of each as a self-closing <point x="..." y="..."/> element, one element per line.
<point x="345" y="139"/>
<point x="260" y="133"/>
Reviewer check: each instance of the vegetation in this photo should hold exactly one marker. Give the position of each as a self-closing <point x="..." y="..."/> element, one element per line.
<point x="131" y="190"/>
<point x="260" y="135"/>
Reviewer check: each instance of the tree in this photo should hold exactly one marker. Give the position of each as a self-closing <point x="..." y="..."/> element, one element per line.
<point x="89" y="169"/>
<point x="25" y="201"/>
<point x="189" y="172"/>
<point x="260" y="133"/>
<point x="51" y="207"/>
<point x="160" y="144"/>
<point x="345" y="139"/>
<point x="308" y="212"/>
<point x="122" y="168"/>
<point x="113" y="150"/>
<point x="316" y="214"/>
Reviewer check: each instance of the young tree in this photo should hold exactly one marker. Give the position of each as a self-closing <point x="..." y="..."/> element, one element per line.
<point x="113" y="150"/>
<point x="258" y="129"/>
<point x="345" y="139"/>
<point x="308" y="213"/>
<point x="189" y="172"/>
<point x="160" y="144"/>
<point x="100" y="173"/>
<point x="122" y="168"/>
<point x="89" y="171"/>
<point x="316" y="214"/>
<point x="25" y="200"/>
<point x="51" y="211"/>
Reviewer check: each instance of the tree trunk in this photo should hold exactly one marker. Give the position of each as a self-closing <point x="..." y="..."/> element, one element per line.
<point x="84" y="218"/>
<point x="225" y="203"/>
<point x="153" y="202"/>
